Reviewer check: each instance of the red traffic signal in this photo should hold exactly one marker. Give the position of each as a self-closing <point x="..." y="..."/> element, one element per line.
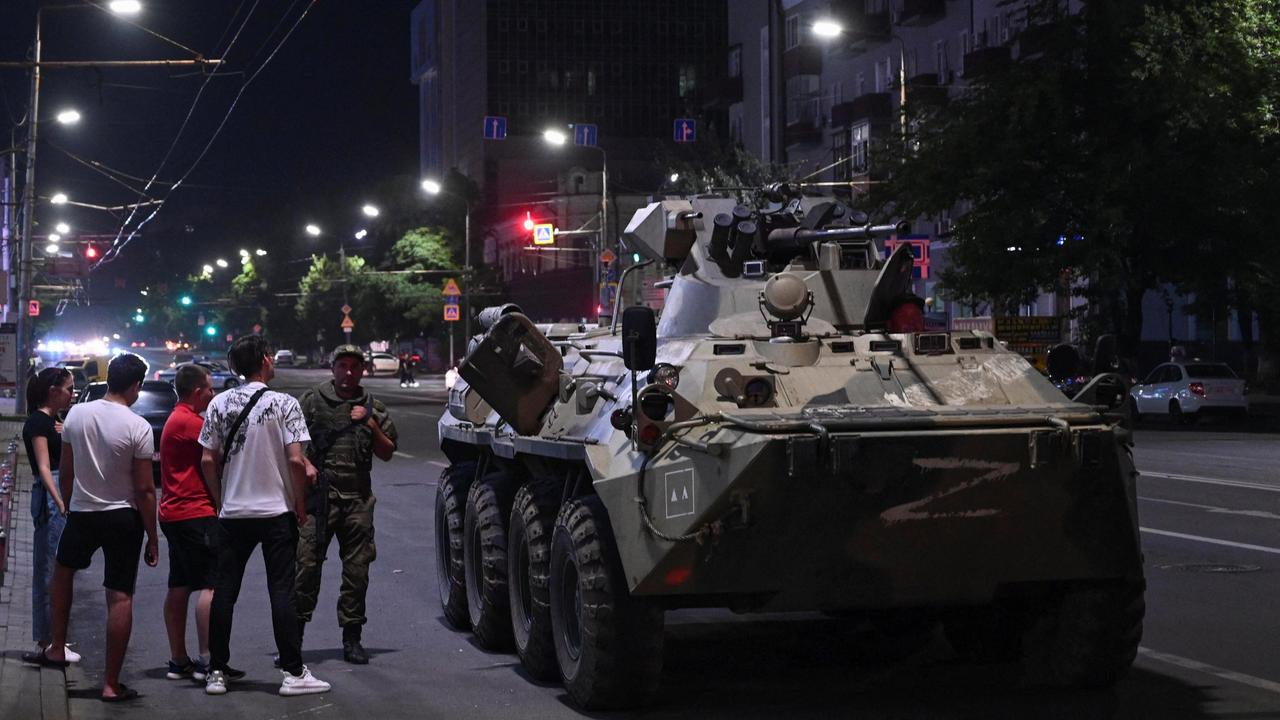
<point x="528" y="221"/>
<point x="91" y="252"/>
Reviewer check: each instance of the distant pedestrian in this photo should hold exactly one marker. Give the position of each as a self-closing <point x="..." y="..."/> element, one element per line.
<point x="188" y="518"/>
<point x="348" y="428"/>
<point x="257" y="472"/>
<point x="49" y="393"/>
<point x="406" y="371"/>
<point x="106" y="474"/>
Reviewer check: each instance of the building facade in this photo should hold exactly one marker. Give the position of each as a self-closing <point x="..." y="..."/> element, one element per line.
<point x="626" y="68"/>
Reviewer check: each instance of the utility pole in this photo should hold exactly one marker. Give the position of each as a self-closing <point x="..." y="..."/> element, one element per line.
<point x="24" y="243"/>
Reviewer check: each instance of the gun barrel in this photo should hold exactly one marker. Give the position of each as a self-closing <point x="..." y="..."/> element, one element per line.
<point x="786" y="235"/>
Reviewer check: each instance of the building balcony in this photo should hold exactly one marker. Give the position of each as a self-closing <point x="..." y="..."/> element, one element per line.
<point x="868" y="106"/>
<point x="802" y="59"/>
<point x="804" y="122"/>
<point x="926" y="89"/>
<point x="863" y="30"/>
<point x="921" y="12"/>
<point x="984" y="61"/>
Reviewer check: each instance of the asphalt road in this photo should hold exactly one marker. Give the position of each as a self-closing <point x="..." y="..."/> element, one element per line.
<point x="1208" y="509"/>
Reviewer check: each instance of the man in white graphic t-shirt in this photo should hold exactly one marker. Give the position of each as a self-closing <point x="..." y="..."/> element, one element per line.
<point x="257" y="475"/>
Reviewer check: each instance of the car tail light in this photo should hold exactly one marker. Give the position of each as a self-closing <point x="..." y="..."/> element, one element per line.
<point x="1196" y="389"/>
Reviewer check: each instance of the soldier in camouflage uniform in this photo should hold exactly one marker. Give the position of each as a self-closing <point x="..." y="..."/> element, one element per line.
<point x="348" y="429"/>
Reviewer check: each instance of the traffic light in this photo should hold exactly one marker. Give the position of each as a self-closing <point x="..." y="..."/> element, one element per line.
<point x="528" y="221"/>
<point x="139" y="318"/>
<point x="210" y="330"/>
<point x="90" y="252"/>
<point x="185" y="300"/>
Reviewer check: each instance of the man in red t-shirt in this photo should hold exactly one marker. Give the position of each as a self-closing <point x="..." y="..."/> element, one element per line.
<point x="188" y="517"/>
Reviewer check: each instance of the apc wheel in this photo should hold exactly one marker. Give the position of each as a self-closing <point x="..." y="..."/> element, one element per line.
<point x="1088" y="637"/>
<point x="608" y="644"/>
<point x="985" y="634"/>
<point x="451" y="497"/>
<point x="484" y="550"/>
<point x="533" y="518"/>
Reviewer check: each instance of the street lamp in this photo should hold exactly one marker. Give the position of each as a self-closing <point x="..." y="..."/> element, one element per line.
<point x="370" y="210"/>
<point x="556" y="138"/>
<point x="51" y="248"/>
<point x="361" y="233"/>
<point x="125" y="7"/>
<point x="59" y="199"/>
<point x="433" y="187"/>
<point x="313" y="230"/>
<point x="63" y="228"/>
<point x="259" y="252"/>
<point x="54" y="237"/>
<point x="207" y="269"/>
<point x="220" y="262"/>
<point x="70" y="116"/>
<point x="827" y="29"/>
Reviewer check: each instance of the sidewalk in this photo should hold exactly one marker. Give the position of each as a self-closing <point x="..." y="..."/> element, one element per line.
<point x="26" y="691"/>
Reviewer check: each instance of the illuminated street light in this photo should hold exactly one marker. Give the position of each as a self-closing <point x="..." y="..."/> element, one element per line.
<point x="431" y="186"/>
<point x="208" y="269"/>
<point x="67" y="117"/>
<point x="59" y="199"/>
<point x="360" y="234"/>
<point x="54" y="237"/>
<point x="51" y="248"/>
<point x="125" y="7"/>
<point x="260" y="252"/>
<point x="63" y="228"/>
<point x="143" y="293"/>
<point x="554" y="137"/>
<point x="370" y="210"/>
<point x="220" y="262"/>
<point x="827" y="28"/>
<point x="244" y="253"/>
<point x="313" y="230"/>
<point x="675" y="177"/>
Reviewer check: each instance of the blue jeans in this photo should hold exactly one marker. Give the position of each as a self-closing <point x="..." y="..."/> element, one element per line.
<point x="48" y="531"/>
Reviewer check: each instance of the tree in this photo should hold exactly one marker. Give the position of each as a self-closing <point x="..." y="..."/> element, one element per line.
<point x="1124" y="147"/>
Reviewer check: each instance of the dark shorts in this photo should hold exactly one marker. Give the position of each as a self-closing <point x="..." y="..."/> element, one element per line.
<point x="193" y="551"/>
<point x="117" y="532"/>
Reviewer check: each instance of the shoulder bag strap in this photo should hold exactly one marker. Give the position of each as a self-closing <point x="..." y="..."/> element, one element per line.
<point x="235" y="426"/>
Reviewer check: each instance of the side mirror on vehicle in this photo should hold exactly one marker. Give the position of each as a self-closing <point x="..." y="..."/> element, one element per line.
<point x="639" y="338"/>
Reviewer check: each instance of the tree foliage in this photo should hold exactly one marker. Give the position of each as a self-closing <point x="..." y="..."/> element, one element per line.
<point x="1131" y="145"/>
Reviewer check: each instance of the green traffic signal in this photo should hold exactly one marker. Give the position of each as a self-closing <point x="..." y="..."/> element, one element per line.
<point x="139" y="318"/>
<point x="210" y="330"/>
<point x="186" y="300"/>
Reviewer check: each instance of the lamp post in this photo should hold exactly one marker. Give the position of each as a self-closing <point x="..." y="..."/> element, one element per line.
<point x="557" y="138"/>
<point x="828" y="29"/>
<point x="433" y="187"/>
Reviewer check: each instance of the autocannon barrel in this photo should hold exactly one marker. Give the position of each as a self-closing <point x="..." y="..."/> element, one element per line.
<point x="783" y="236"/>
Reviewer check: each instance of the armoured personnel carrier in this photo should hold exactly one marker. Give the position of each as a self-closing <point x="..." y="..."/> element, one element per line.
<point x="787" y="436"/>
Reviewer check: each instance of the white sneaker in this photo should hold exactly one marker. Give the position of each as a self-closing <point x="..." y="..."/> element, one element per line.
<point x="304" y="684"/>
<point x="215" y="683"/>
<point x="71" y="655"/>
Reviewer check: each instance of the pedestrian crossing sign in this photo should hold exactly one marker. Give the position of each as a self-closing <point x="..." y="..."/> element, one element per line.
<point x="544" y="234"/>
<point x="452" y="313"/>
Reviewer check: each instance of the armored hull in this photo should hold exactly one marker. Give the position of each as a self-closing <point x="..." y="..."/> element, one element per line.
<point x="780" y="441"/>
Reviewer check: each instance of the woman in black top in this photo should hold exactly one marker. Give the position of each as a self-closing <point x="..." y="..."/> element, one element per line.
<point x="49" y="393"/>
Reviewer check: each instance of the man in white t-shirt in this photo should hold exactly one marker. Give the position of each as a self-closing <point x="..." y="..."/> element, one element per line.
<point x="257" y="475"/>
<point x="106" y="474"/>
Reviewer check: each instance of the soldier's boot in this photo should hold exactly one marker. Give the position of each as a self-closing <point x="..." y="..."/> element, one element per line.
<point x="352" y="651"/>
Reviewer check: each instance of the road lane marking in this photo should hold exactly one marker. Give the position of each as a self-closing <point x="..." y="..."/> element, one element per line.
<point x="1211" y="541"/>
<point x="398" y="453"/>
<point x="1223" y="673"/>
<point x="1212" y="481"/>
<point x="437" y="463"/>
<point x="1214" y="509"/>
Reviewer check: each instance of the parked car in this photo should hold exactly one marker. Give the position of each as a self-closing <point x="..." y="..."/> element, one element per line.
<point x="222" y="376"/>
<point x="284" y="357"/>
<point x="1186" y="390"/>
<point x="381" y="362"/>
<point x="94" y="367"/>
<point x="155" y="403"/>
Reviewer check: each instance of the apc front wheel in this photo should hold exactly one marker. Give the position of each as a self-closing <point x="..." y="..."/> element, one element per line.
<point x="533" y="517"/>
<point x="485" y="561"/>
<point x="451" y="498"/>
<point x="608" y="644"/>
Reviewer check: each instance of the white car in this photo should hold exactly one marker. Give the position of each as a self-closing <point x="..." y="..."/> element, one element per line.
<point x="381" y="363"/>
<point x="1186" y="390"/>
<point x="284" y="357"/>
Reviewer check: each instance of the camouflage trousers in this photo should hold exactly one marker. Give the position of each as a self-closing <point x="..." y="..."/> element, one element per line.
<point x="352" y="522"/>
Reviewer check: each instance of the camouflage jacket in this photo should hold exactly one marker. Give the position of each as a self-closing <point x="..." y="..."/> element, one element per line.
<point x="351" y="456"/>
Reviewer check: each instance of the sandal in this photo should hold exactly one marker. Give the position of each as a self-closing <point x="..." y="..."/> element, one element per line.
<point x="39" y="658"/>
<point x="126" y="694"/>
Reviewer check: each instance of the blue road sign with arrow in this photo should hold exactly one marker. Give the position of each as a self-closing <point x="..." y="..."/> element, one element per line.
<point x="686" y="130"/>
<point x="495" y="127"/>
<point x="585" y="134"/>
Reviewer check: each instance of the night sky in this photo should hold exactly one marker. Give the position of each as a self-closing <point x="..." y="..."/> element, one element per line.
<point x="330" y="117"/>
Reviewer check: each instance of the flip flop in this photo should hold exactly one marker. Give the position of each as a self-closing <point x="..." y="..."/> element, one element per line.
<point x="39" y="658"/>
<point x="126" y="694"/>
